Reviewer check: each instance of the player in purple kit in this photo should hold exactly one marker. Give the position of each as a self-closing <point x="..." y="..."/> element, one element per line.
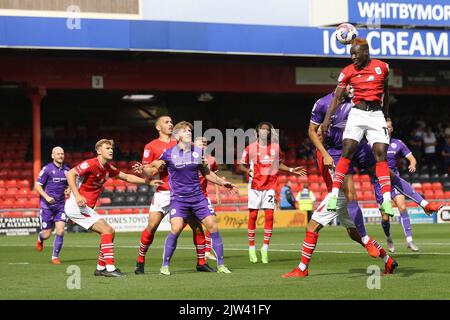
<point x="52" y="185"/>
<point x="398" y="149"/>
<point x="183" y="162"/>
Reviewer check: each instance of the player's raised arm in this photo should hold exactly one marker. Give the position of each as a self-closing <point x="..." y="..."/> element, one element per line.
<point x="339" y="94"/>
<point x="301" y="171"/>
<point x="71" y="181"/>
<point x="212" y="177"/>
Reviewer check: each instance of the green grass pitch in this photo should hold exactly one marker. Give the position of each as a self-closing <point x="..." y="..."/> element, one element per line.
<point x="338" y="269"/>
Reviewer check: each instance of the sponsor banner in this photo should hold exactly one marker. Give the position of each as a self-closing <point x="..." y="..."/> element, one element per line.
<point x="19" y="226"/>
<point x="416" y="215"/>
<point x="133" y="222"/>
<point x="400" y="12"/>
<point x="443" y="216"/>
<point x="282" y="219"/>
<point x="216" y="38"/>
<point x="373" y="216"/>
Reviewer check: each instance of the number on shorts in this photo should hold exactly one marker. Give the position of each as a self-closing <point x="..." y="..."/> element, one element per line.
<point x="271" y="199"/>
<point x="385" y="131"/>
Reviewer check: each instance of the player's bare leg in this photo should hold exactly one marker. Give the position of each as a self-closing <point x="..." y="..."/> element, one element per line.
<point x="58" y="242"/>
<point x="200" y="244"/>
<point x="106" y="267"/>
<point x="383" y="174"/>
<point x="176" y="227"/>
<point x="147" y="236"/>
<point x="211" y="225"/>
<point x="342" y="167"/>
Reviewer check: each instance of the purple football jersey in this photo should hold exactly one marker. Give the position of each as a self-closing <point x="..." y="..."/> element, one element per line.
<point x="183" y="173"/>
<point x="396" y="149"/>
<point x="333" y="139"/>
<point x="53" y="180"/>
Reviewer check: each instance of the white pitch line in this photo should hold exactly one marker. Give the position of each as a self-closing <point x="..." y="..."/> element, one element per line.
<point x="182" y="247"/>
<point x="19" y="263"/>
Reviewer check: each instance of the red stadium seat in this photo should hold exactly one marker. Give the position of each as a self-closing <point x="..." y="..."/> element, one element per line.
<point x="126" y="211"/>
<point x="366" y="185"/>
<point x="132" y="188"/>
<point x="364" y="178"/>
<point x="114" y="211"/>
<point x="224" y="208"/>
<point x="429" y="194"/>
<point x="438" y="194"/>
<point x="426" y="186"/>
<point x="436" y="186"/>
<point x="120" y="188"/>
<point x="368" y="196"/>
<point x="370" y="205"/>
<point x="11" y="183"/>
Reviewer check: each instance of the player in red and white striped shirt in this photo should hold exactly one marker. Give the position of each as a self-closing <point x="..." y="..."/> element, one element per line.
<point x="265" y="160"/>
<point x="86" y="183"/>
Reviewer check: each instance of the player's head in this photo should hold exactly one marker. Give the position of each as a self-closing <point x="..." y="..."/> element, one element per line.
<point x="104" y="148"/>
<point x="201" y="142"/>
<point x="389" y="126"/>
<point x="183" y="131"/>
<point x="58" y="155"/>
<point x="265" y="131"/>
<point x="359" y="52"/>
<point x="164" y="125"/>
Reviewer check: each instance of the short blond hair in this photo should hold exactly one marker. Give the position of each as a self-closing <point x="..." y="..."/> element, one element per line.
<point x="101" y="142"/>
<point x="182" y="125"/>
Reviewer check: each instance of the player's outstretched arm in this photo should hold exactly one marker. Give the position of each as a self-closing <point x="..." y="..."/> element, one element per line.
<point x="137" y="180"/>
<point x="212" y="177"/>
<point x="71" y="181"/>
<point x="317" y="141"/>
<point x="339" y="94"/>
<point x="149" y="170"/>
<point x="301" y="171"/>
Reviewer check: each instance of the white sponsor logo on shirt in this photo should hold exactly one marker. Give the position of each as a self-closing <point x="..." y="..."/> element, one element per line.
<point x="146" y="153"/>
<point x="173" y="211"/>
<point x="393" y="145"/>
<point x="84" y="165"/>
<point x="370" y="78"/>
<point x="195" y="155"/>
<point x="378" y="70"/>
<point x="341" y="76"/>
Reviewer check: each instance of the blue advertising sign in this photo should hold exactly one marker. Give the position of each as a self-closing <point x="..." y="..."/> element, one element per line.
<point x="138" y="35"/>
<point x="417" y="216"/>
<point x="400" y="12"/>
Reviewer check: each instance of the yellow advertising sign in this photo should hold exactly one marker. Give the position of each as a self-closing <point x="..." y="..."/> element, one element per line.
<point x="282" y="219"/>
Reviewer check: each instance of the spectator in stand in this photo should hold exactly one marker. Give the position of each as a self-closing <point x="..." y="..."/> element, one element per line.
<point x="306" y="200"/>
<point x="430" y="143"/>
<point x="416" y="144"/>
<point x="446" y="155"/>
<point x="287" y="199"/>
<point x="305" y="149"/>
